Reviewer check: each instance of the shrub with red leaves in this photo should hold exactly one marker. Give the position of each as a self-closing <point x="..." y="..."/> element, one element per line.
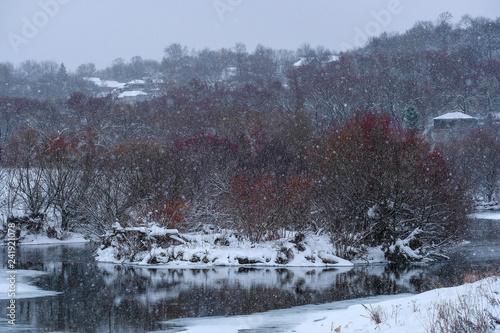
<point x="380" y="184"/>
<point x="266" y="205"/>
<point x="169" y="214"/>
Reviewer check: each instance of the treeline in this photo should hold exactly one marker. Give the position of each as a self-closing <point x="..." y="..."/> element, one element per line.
<point x="368" y="182"/>
<point x="92" y="162"/>
<point x="433" y="67"/>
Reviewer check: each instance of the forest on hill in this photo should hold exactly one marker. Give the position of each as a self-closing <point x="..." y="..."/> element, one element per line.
<point x="434" y="67"/>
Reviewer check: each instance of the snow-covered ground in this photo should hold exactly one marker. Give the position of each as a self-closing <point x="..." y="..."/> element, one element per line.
<point x="70" y="238"/>
<point x="224" y="249"/>
<point x="401" y="313"/>
<point x="487" y="216"/>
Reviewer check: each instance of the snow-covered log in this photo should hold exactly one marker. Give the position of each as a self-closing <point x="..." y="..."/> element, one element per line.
<point x="127" y="242"/>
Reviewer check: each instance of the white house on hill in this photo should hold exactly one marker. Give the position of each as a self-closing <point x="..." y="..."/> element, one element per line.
<point x="132" y="96"/>
<point x="449" y="125"/>
<point x="228" y="73"/>
<point x="135" y="85"/>
<point x="454" y="120"/>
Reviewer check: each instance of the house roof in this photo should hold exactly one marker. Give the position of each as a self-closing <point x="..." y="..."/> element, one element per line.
<point x="301" y="62"/>
<point x="104" y="83"/>
<point x="333" y="58"/>
<point x="96" y="80"/>
<point x="112" y="84"/>
<point x="136" y="82"/>
<point x="455" y="115"/>
<point x="132" y="93"/>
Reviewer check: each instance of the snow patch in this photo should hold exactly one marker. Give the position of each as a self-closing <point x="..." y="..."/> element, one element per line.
<point x="373" y="212"/>
<point x="486" y="216"/>
<point x="69" y="238"/>
<point x="23" y="287"/>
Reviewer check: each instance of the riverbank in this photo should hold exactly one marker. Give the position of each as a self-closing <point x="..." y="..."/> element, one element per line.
<point x="154" y="245"/>
<point x="204" y="249"/>
<point x="40" y="239"/>
<point x="167" y="247"/>
<point x="473" y="306"/>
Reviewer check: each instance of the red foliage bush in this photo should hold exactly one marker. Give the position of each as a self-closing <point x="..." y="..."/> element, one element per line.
<point x="267" y="205"/>
<point x="380" y="183"/>
<point x="169" y="214"/>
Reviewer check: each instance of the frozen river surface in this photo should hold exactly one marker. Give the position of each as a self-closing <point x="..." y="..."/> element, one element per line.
<point x="62" y="289"/>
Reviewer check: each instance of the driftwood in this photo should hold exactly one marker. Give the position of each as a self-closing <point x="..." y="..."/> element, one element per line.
<point x="30" y="224"/>
<point x="131" y="240"/>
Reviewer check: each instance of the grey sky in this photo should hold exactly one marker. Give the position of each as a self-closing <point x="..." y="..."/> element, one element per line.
<point x="98" y="31"/>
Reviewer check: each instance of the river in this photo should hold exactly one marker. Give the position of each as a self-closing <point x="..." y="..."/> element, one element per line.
<point x="76" y="294"/>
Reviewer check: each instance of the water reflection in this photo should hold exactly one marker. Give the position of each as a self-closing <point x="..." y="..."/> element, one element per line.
<point x="113" y="298"/>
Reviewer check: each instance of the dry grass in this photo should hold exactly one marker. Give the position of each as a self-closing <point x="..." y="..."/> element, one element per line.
<point x="377" y="314"/>
<point x="470" y="313"/>
<point x="476" y="276"/>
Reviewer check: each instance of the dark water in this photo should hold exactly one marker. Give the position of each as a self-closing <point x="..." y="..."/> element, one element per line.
<point x="113" y="298"/>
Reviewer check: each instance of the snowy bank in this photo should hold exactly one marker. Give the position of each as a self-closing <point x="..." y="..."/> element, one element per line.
<point x="472" y="306"/>
<point x="487" y="216"/>
<point x="465" y="306"/>
<point x="69" y="238"/>
<point x="154" y="245"/>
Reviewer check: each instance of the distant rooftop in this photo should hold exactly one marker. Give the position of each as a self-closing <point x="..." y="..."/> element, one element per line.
<point x="302" y="61"/>
<point x="136" y="82"/>
<point x="455" y="115"/>
<point x="104" y="83"/>
<point x="112" y="84"/>
<point x="132" y="93"/>
<point x="307" y="60"/>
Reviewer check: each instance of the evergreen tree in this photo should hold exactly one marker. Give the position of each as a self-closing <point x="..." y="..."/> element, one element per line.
<point x="411" y="119"/>
<point x="62" y="79"/>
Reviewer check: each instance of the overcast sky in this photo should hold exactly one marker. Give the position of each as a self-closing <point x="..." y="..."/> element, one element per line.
<point x="81" y="31"/>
